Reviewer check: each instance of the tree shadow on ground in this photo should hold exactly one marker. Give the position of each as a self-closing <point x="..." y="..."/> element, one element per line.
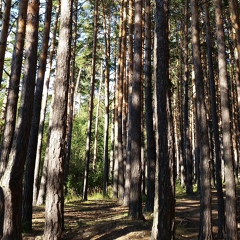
<point x="107" y="220"/>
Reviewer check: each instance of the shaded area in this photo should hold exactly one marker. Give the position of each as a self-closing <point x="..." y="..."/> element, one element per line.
<point x="107" y="220"/>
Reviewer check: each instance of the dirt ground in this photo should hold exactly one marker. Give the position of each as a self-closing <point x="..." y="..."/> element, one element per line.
<point x="107" y="220"/>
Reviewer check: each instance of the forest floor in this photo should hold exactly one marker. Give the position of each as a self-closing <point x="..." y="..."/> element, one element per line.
<point x="107" y="220"/>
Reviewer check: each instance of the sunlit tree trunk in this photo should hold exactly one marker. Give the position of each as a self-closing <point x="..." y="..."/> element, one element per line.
<point x="129" y="74"/>
<point x="71" y="92"/>
<point x="90" y="110"/>
<point x="231" y="202"/>
<point x="54" y="196"/>
<point x="205" y="230"/>
<point x="12" y="179"/>
<point x="32" y="146"/>
<point x="135" y="201"/>
<point x="4" y="35"/>
<point x="107" y="31"/>
<point x="122" y="67"/>
<point x="12" y="98"/>
<point x="38" y="196"/>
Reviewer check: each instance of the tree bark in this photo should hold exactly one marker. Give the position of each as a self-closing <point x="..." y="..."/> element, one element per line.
<point x="54" y="197"/>
<point x="164" y="203"/>
<point x="11" y="181"/>
<point x="215" y="123"/>
<point x="107" y="31"/>
<point x="205" y="230"/>
<point x="38" y="197"/>
<point x="71" y="92"/>
<point x="32" y="146"/>
<point x="231" y="202"/>
<point x="130" y="75"/>
<point x="4" y="35"/>
<point x="12" y="98"/>
<point x="135" y="201"/>
<point x="122" y="67"/>
<point x="151" y="148"/>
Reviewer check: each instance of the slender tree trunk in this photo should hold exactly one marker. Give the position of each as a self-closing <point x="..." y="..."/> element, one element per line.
<point x="97" y="122"/>
<point x="54" y="197"/>
<point x="231" y="203"/>
<point x="135" y="201"/>
<point x="39" y="198"/>
<point x="215" y="122"/>
<point x="11" y="181"/>
<point x="205" y="230"/>
<point x="107" y="31"/>
<point x="186" y="140"/>
<point x="122" y="62"/>
<point x="164" y="203"/>
<point x="32" y="146"/>
<point x="130" y="75"/>
<point x="12" y="98"/>
<point x="71" y="92"/>
<point x="90" y="110"/>
<point x="4" y="35"/>
<point x="151" y="148"/>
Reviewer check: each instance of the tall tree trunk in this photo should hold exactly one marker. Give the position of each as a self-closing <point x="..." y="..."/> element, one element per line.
<point x="231" y="202"/>
<point x="90" y="110"/>
<point x="107" y="31"/>
<point x="130" y="75"/>
<point x="151" y="148"/>
<point x="54" y="197"/>
<point x="38" y="198"/>
<point x="97" y="122"/>
<point x="164" y="203"/>
<point x="32" y="146"/>
<point x="11" y="181"/>
<point x="72" y="85"/>
<point x="4" y="35"/>
<point x="186" y="131"/>
<point x="205" y="230"/>
<point x="122" y="67"/>
<point x="12" y="98"/>
<point x="135" y="201"/>
<point x="215" y="122"/>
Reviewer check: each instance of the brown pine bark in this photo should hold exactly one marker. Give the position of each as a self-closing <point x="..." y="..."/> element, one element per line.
<point x="205" y="230"/>
<point x="230" y="202"/>
<point x="107" y="31"/>
<point x="187" y="156"/>
<point x="32" y="146"/>
<point x="13" y="90"/>
<point x="71" y="92"/>
<point x="12" y="179"/>
<point x="215" y="123"/>
<point x="4" y="35"/>
<point x="135" y="201"/>
<point x="151" y="145"/>
<point x="164" y="203"/>
<point x="39" y="196"/>
<point x="129" y="87"/>
<point x="121" y="79"/>
<point x="54" y="197"/>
